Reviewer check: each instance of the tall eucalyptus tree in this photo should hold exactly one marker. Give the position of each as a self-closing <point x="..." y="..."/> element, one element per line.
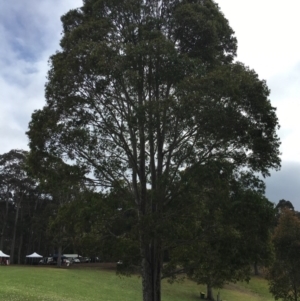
<point x="144" y="88"/>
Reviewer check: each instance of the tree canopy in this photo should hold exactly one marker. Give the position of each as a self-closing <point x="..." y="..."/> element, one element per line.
<point x="142" y="89"/>
<point x="284" y="274"/>
<point x="226" y="229"/>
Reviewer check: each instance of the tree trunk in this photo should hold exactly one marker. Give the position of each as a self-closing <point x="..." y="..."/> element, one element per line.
<point x="151" y="271"/>
<point x="2" y="234"/>
<point x="4" y="224"/>
<point x="39" y="243"/>
<point x="256" y="271"/>
<point x="12" y="250"/>
<point x="29" y="244"/>
<point x="21" y="237"/>
<point x="20" y="248"/>
<point x="209" y="293"/>
<point x="59" y="256"/>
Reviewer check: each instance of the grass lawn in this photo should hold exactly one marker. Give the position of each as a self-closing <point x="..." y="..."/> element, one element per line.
<point x="29" y="283"/>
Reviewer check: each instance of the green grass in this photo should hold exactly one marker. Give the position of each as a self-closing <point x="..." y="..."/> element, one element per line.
<point x="25" y="283"/>
<point x="255" y="290"/>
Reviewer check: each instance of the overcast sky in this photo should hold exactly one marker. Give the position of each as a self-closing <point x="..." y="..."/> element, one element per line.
<point x="268" y="42"/>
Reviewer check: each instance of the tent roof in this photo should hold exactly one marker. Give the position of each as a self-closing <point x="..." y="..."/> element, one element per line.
<point x="55" y="256"/>
<point x="34" y="255"/>
<point x="3" y="255"/>
<point x="72" y="255"/>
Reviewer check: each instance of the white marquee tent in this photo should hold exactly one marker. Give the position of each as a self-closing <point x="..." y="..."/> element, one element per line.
<point x="33" y="258"/>
<point x="34" y="255"/>
<point x="3" y="254"/>
<point x="3" y="258"/>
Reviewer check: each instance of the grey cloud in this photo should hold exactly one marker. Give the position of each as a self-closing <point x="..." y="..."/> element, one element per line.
<point x="29" y="33"/>
<point x="12" y="138"/>
<point x="33" y="26"/>
<point x="285" y="184"/>
<point x="285" y="85"/>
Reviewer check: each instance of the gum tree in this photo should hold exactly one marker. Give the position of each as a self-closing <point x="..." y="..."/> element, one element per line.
<point x="142" y="89"/>
<point x="284" y="275"/>
<point x="224" y="226"/>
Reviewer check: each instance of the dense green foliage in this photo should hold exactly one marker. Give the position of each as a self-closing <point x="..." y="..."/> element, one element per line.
<point x="284" y="274"/>
<point x="29" y="203"/>
<point x="22" y="207"/>
<point x="227" y="228"/>
<point x="142" y="89"/>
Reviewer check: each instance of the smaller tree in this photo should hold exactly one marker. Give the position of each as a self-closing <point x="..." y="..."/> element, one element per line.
<point x="63" y="183"/>
<point x="229" y="226"/>
<point x="284" y="274"/>
<point x="284" y="204"/>
<point x="101" y="224"/>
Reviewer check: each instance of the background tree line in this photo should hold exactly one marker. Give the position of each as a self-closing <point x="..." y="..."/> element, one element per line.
<point x="219" y="228"/>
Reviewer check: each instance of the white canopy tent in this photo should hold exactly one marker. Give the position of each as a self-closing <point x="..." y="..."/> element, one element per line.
<point x="34" y="255"/>
<point x="3" y="258"/>
<point x="33" y="258"/>
<point x="3" y="254"/>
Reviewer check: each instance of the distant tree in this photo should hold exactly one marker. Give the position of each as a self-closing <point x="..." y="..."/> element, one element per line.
<point x="16" y="192"/>
<point x="284" y="274"/>
<point x="63" y="183"/>
<point x="6" y="202"/>
<point x="103" y="224"/>
<point x="255" y="216"/>
<point x="229" y="223"/>
<point x="284" y="204"/>
<point x="144" y="88"/>
<point x="34" y="223"/>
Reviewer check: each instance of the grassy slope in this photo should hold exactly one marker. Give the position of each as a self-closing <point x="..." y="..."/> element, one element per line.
<point x="52" y="284"/>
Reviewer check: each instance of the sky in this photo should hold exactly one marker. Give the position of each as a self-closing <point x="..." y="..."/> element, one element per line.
<point x="268" y="42"/>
